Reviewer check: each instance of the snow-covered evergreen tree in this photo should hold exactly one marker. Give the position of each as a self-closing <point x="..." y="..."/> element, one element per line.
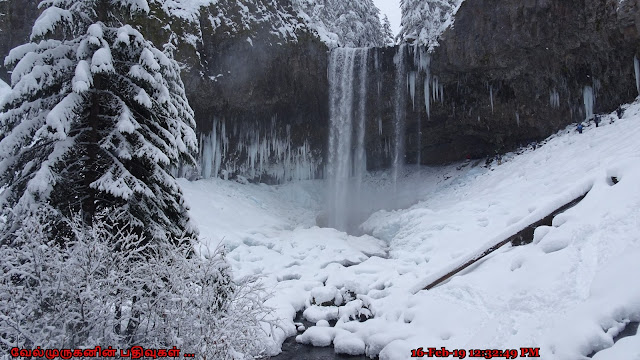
<point x="97" y="119"/>
<point x="424" y="20"/>
<point x="387" y="33"/>
<point x="354" y="23"/>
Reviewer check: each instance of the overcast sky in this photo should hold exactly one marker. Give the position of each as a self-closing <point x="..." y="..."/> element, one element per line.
<point x="392" y="9"/>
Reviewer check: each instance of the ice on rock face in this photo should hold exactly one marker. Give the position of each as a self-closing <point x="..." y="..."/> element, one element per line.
<point x="554" y="98"/>
<point x="423" y="61"/>
<point x="259" y="152"/>
<point x="412" y="88"/>
<point x="589" y="102"/>
<point x="427" y="98"/>
<point x="636" y="66"/>
<point x="491" y="97"/>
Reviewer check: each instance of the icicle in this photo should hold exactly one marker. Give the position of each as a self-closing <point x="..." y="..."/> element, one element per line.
<point x="425" y="66"/>
<point x="425" y="60"/>
<point x="518" y="118"/>
<point x="636" y="65"/>
<point x="491" y="96"/>
<point x="554" y="98"/>
<point x="207" y="156"/>
<point x="588" y="102"/>
<point x="412" y="88"/>
<point x="435" y="88"/>
<point x="427" y="98"/>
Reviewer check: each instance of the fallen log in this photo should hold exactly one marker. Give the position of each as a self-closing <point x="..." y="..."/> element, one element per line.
<point x="523" y="237"/>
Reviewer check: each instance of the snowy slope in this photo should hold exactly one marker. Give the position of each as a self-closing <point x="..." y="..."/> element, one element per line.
<point x="569" y="293"/>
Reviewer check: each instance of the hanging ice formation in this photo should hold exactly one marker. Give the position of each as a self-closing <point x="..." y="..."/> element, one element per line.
<point x="589" y="102"/>
<point x="347" y="157"/>
<point x="554" y="98"/>
<point x="421" y="60"/>
<point x="412" y="87"/>
<point x="636" y="65"/>
<point x="261" y="152"/>
<point x="491" y="96"/>
<point x="399" y="121"/>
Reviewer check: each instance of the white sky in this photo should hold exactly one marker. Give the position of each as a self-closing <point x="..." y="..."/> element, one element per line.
<point x="392" y="9"/>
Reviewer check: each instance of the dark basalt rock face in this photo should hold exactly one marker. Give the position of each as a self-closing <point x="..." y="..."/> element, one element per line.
<point x="16" y="20"/>
<point x="515" y="71"/>
<point x="508" y="72"/>
<point x="254" y="74"/>
<point x="272" y="99"/>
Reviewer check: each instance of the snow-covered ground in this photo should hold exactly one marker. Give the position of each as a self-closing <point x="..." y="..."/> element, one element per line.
<point x="570" y="292"/>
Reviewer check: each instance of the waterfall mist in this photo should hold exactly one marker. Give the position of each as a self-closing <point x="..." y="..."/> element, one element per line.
<point x="347" y="156"/>
<point x="349" y="201"/>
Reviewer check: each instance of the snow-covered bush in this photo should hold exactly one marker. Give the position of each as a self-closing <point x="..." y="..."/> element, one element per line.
<point x="97" y="289"/>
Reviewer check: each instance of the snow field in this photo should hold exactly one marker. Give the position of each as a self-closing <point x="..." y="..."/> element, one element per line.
<point x="570" y="292"/>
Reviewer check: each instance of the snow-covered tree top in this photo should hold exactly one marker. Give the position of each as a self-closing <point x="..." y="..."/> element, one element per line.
<point x="232" y="17"/>
<point x="423" y="21"/>
<point x="354" y="23"/>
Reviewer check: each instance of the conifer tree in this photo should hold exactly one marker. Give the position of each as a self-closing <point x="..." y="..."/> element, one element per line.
<point x="387" y="33"/>
<point x="353" y="23"/>
<point x="424" y="20"/>
<point x="97" y="120"/>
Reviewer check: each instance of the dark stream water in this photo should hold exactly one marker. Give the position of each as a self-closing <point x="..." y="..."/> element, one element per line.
<point x="291" y="350"/>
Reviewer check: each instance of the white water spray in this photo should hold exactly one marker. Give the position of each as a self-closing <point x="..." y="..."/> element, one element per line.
<point x="347" y="156"/>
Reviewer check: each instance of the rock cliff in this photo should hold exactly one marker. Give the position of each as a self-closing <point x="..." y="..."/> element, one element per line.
<point x="510" y="72"/>
<point x="506" y="73"/>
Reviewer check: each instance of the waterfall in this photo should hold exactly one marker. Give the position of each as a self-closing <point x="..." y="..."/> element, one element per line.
<point x="400" y="113"/>
<point x="346" y="164"/>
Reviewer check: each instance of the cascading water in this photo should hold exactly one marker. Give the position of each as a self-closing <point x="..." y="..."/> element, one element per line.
<point x="347" y="156"/>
